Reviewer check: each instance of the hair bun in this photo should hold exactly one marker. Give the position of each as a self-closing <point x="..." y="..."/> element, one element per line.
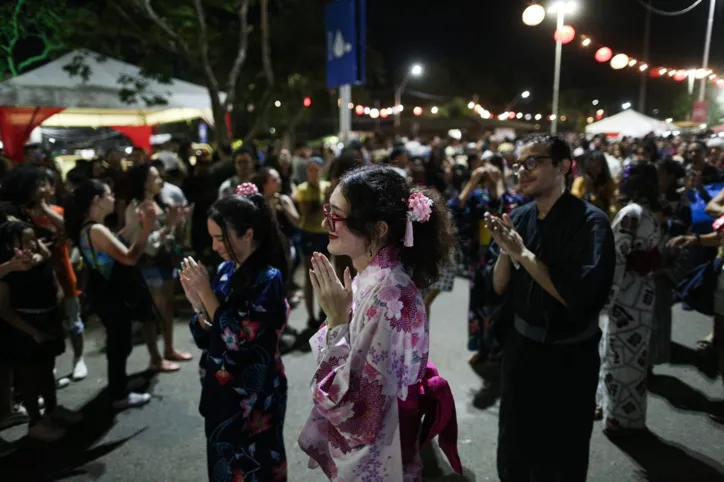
<point x="247" y="189"/>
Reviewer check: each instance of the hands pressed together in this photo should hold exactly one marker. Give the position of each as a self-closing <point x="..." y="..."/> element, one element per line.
<point x="195" y="281"/>
<point x="334" y="296"/>
<point x="505" y="236"/>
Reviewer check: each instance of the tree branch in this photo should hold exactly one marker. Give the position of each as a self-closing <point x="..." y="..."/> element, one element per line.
<point x="263" y="113"/>
<point x="265" y="49"/>
<point x="240" y="59"/>
<point x="161" y="23"/>
<point x="204" y="47"/>
<point x="48" y="48"/>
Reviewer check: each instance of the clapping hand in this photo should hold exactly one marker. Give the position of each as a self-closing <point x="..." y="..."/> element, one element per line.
<point x="681" y="242"/>
<point x="147" y="215"/>
<point x="505" y="235"/>
<point x="22" y="260"/>
<point x="335" y="297"/>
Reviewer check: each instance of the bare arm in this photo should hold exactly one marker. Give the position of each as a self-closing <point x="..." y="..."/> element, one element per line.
<point x="715" y="207"/>
<point x="104" y="240"/>
<point x="290" y="211"/>
<point x="55" y="218"/>
<point x="501" y="273"/>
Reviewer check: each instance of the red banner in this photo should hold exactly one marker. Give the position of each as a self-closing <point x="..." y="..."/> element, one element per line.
<point x="16" y="124"/>
<point x="699" y="112"/>
<point x="140" y="136"/>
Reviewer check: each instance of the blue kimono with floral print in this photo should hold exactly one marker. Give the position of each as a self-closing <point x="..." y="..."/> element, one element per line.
<point x="475" y="241"/>
<point x="244" y="388"/>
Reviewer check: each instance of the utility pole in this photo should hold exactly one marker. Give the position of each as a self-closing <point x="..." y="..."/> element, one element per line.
<point x="645" y="59"/>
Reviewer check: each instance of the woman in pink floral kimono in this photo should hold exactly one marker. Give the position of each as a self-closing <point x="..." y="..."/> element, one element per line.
<point x="373" y="378"/>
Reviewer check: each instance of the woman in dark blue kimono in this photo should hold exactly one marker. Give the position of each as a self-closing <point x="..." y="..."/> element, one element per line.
<point x="484" y="193"/>
<point x="238" y="324"/>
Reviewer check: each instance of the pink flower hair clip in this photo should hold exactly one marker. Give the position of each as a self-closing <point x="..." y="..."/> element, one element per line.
<point x="419" y="209"/>
<point x="247" y="189"/>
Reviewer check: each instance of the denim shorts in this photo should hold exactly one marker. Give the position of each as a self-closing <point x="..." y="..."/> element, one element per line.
<point x="72" y="323"/>
<point x="156" y="276"/>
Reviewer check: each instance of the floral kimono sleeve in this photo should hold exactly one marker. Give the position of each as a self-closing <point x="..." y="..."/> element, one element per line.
<point x="358" y="379"/>
<point x="248" y="337"/>
<point x="201" y="336"/>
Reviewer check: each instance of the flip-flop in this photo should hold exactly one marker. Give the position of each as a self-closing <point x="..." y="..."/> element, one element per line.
<point x="179" y="356"/>
<point x="165" y="367"/>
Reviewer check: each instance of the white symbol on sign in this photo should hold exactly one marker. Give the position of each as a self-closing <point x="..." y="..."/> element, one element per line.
<point x="340" y="46"/>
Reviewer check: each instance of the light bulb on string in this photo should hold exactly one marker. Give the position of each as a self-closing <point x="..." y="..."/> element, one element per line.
<point x="603" y="54"/>
<point x="565" y="34"/>
<point x="534" y="15"/>
<point x="619" y="61"/>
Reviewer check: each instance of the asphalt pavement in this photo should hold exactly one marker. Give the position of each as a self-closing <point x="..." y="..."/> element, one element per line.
<point x="164" y="441"/>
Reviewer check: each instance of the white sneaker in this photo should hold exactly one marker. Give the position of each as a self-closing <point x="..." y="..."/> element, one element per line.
<point x="62" y="382"/>
<point x="80" y="370"/>
<point x="133" y="400"/>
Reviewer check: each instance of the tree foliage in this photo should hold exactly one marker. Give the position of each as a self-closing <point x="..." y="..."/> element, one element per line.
<point x="34" y="25"/>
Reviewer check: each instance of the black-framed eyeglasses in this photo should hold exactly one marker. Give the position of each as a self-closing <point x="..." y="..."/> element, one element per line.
<point x="531" y="162"/>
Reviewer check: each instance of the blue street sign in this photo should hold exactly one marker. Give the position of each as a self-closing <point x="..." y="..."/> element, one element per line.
<point x="346" y="42"/>
<point x="203" y="132"/>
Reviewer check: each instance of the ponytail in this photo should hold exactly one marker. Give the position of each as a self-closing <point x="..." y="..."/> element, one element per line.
<point x="78" y="207"/>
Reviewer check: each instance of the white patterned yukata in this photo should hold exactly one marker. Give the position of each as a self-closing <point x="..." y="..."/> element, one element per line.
<point x="363" y="369"/>
<point x="627" y="320"/>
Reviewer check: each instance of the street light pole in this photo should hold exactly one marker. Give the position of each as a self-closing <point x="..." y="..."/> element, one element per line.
<point x="557" y="73"/>
<point x="707" y="48"/>
<point x="644" y="78"/>
<point x="416" y="70"/>
<point x="398" y="98"/>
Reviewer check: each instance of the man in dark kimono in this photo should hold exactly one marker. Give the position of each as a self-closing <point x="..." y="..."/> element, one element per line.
<point x="556" y="270"/>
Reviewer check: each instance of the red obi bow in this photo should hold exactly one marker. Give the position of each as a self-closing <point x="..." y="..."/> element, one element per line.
<point x="429" y="412"/>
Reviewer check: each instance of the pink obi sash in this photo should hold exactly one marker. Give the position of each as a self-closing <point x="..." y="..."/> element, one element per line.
<point x="429" y="412"/>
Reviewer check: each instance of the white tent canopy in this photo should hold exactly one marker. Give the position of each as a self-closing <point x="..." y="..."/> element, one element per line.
<point x="97" y="101"/>
<point x="629" y="123"/>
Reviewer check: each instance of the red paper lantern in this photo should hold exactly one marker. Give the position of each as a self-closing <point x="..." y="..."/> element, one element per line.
<point x="680" y="75"/>
<point x="604" y="54"/>
<point x="359" y="110"/>
<point x="565" y="34"/>
<point x="307" y="101"/>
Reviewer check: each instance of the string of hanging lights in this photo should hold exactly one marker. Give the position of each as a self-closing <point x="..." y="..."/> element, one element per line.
<point x="535" y="14"/>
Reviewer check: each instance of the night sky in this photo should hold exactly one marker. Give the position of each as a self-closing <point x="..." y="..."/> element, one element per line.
<point x="485" y="47"/>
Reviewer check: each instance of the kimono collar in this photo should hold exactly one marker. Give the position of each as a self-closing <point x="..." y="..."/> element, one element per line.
<point x="386" y="260"/>
<point x="387" y="257"/>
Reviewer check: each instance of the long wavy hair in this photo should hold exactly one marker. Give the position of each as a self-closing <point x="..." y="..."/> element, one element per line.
<point x="379" y="194"/>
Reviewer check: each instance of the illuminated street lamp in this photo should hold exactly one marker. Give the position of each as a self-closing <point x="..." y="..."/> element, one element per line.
<point x="560" y="9"/>
<point x="415" y="71"/>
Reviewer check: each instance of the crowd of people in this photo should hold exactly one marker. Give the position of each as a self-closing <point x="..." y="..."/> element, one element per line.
<point x="574" y="251"/>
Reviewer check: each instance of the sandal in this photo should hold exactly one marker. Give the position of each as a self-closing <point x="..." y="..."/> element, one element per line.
<point x="179" y="356"/>
<point x="164" y="367"/>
